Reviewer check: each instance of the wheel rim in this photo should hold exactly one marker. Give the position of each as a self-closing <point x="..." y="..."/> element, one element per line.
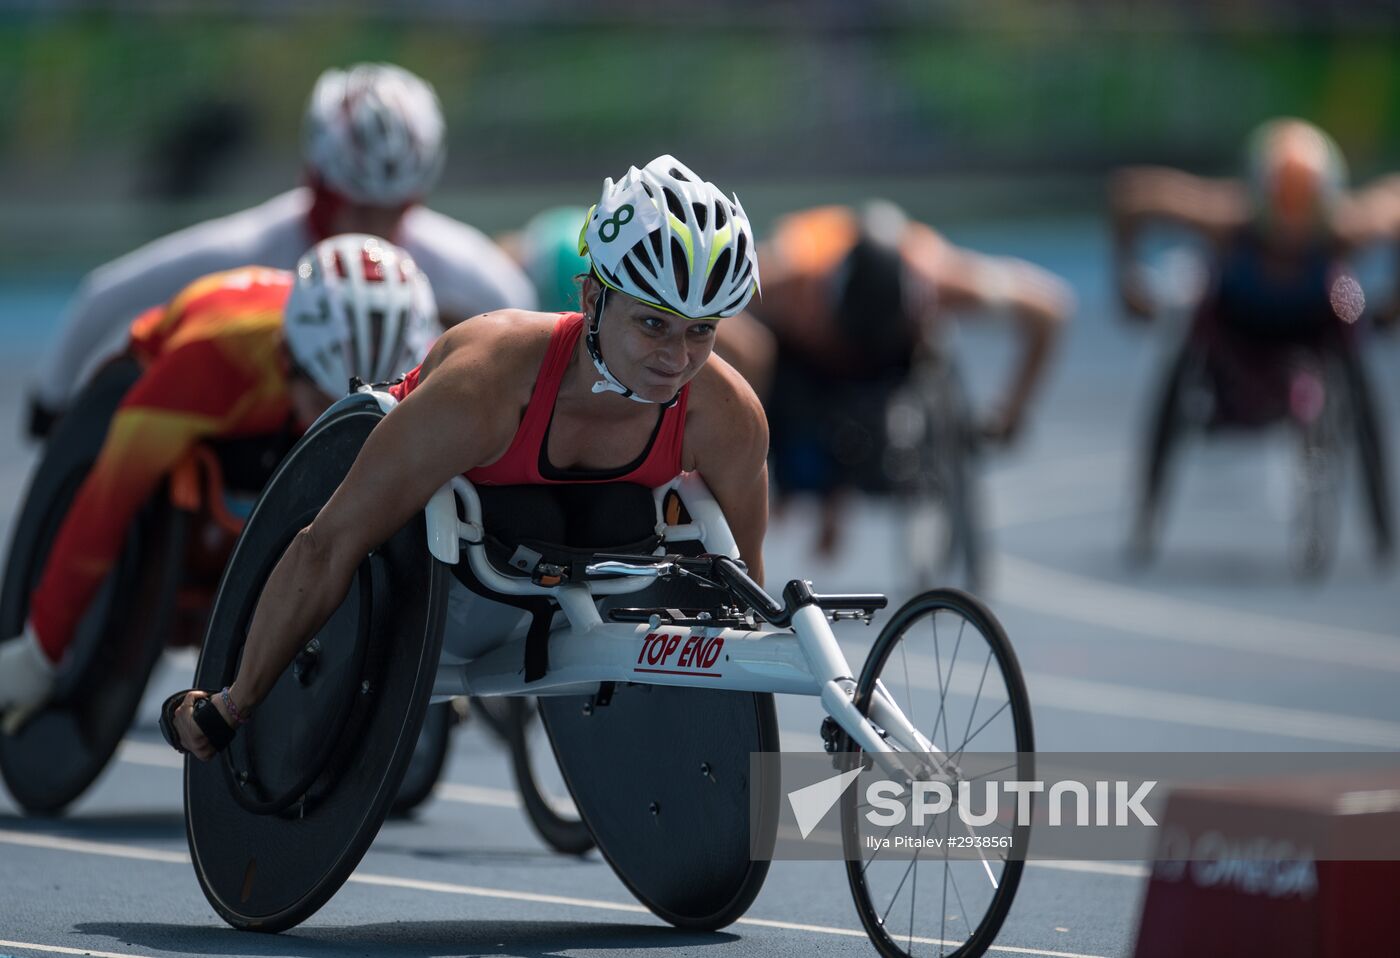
<point x="548" y="780"/>
<point x="948" y="666"/>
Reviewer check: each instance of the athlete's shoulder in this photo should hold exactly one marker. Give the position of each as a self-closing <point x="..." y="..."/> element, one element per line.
<point x="722" y="400"/>
<point x="469" y="272"/>
<point x="269" y="234"/>
<point x="495" y="350"/>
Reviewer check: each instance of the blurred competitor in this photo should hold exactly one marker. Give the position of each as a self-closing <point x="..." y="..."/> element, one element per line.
<point x="373" y="147"/>
<point x="1278" y="241"/>
<point x="548" y="250"/>
<point x="852" y="295"/>
<point x="246" y="353"/>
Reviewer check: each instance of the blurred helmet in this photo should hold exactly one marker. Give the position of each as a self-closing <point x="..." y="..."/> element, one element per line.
<point x="549" y="250"/>
<point x="671" y="239"/>
<point x="374" y="134"/>
<point x="358" y="307"/>
<point x="1295" y="172"/>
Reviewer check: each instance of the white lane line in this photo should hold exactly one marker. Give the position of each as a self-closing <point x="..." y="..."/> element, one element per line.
<point x="60" y="950"/>
<point x="477" y="795"/>
<point x="55" y="843"/>
<point x="476" y="891"/>
<point x="1123" y="701"/>
<point x="144" y="753"/>
<point x="1091" y="697"/>
<point x="1029" y="585"/>
<point x="107" y="849"/>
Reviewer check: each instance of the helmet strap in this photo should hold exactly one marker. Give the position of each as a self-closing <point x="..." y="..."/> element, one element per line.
<point x="610" y="383"/>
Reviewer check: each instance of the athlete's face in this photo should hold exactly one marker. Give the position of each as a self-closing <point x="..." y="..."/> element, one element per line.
<point x="652" y="352"/>
<point x="1297" y="170"/>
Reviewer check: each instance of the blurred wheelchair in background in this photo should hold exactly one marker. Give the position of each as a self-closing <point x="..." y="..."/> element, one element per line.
<point x="157" y="596"/>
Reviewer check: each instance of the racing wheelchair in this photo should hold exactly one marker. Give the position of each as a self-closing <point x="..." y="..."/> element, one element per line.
<point x="1220" y="380"/>
<point x="684" y="676"/>
<point x="156" y="595"/>
<point x="909" y="436"/>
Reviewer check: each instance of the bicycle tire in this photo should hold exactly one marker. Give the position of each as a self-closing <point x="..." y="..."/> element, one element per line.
<point x="982" y="934"/>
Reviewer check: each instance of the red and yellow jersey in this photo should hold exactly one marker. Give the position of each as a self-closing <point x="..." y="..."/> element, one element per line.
<point x="214" y="369"/>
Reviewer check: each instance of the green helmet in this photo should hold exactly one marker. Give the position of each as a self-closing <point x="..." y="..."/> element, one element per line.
<point x="549" y="250"/>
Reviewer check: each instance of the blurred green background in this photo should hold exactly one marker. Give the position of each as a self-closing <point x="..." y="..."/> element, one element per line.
<point x="124" y="120"/>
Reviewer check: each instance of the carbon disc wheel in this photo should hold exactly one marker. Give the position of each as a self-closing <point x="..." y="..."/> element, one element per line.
<point x="278" y="821"/>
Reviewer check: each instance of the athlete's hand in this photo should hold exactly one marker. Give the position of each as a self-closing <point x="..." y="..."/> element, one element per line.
<point x="191" y="738"/>
<point x="1137" y="302"/>
<point x="999" y="428"/>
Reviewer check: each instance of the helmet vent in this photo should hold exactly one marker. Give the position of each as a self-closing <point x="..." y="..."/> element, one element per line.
<point x="655" y="240"/>
<point x="680" y="268"/>
<point x="674" y="204"/>
<point x="702" y="214"/>
<point x="642" y="284"/>
<point x="717" y="274"/>
<point x="743" y="274"/>
<point x="679" y="175"/>
<point x="742" y="253"/>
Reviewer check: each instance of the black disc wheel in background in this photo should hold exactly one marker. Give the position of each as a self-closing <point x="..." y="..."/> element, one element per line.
<point x="429" y="757"/>
<point x="279" y="820"/>
<point x="543" y="792"/>
<point x="60" y="751"/>
<point x="948" y="665"/>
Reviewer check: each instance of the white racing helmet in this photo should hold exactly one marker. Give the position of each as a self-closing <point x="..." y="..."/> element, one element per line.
<point x="670" y="239"/>
<point x="358" y="307"/>
<point x="374" y="133"/>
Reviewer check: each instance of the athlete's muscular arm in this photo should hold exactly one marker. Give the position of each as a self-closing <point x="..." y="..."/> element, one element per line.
<point x="1141" y="194"/>
<point x="454" y="421"/>
<point x="726" y="439"/>
<point x="1037" y="301"/>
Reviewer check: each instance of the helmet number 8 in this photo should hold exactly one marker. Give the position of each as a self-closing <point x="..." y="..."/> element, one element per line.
<point x="617" y="221"/>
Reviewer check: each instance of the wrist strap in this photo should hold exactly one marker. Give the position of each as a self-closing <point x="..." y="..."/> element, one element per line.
<point x="238" y="718"/>
<point x="212" y="723"/>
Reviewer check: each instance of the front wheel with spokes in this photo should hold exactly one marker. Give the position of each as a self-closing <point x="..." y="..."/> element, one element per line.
<point x="946" y="663"/>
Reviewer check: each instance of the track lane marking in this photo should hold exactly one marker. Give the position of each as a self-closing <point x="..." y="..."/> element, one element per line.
<point x="114" y="850"/>
<point x="1038" y="588"/>
<point x="144" y="753"/>
<point x="60" y="950"/>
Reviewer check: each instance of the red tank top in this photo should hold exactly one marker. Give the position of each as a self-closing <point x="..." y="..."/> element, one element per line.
<point x="526" y="461"/>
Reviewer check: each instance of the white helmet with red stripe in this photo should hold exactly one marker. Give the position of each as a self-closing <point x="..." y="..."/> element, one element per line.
<point x="374" y="134"/>
<point x="359" y="307"/>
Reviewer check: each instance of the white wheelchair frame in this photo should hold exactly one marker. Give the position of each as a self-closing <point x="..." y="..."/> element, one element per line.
<point x="804" y="659"/>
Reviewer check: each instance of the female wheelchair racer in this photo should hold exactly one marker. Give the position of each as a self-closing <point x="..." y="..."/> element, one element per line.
<point x="135" y="486"/>
<point x="280" y="818"/>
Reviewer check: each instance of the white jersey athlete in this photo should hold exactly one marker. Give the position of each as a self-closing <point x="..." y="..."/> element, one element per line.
<point x="357" y="183"/>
